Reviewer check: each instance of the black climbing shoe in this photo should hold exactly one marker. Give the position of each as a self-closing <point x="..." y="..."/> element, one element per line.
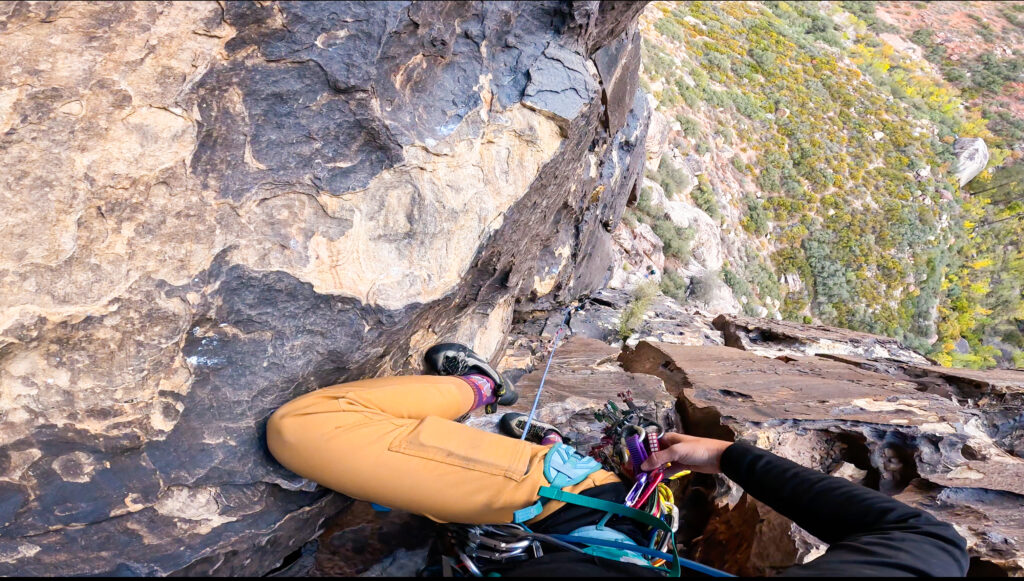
<point x="456" y="359"/>
<point x="512" y="425"/>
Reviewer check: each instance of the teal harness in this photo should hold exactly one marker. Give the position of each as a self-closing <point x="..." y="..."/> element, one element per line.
<point x="563" y="466"/>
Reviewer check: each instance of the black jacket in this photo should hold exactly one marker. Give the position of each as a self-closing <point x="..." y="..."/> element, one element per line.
<point x="869" y="534"/>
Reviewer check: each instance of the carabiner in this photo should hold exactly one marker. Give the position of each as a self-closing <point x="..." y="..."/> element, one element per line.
<point x="469" y="564"/>
<point x="638" y="488"/>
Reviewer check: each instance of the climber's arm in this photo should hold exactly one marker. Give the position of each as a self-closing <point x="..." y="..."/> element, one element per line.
<point x="868" y="532"/>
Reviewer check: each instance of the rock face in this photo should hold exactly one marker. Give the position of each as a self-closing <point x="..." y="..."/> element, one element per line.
<point x="772" y="338"/>
<point x="996" y="397"/>
<point x="638" y="256"/>
<point x="707" y="252"/>
<point x="209" y="209"/>
<point x="665" y="321"/>
<point x="657" y="137"/>
<point x="971" y="158"/>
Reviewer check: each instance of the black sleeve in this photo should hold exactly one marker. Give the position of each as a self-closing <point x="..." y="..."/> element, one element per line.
<point x="868" y="533"/>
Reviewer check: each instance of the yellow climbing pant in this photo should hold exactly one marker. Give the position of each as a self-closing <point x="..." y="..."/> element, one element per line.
<point x="392" y="441"/>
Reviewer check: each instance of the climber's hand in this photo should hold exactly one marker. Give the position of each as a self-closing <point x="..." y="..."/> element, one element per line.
<point x="687" y="453"/>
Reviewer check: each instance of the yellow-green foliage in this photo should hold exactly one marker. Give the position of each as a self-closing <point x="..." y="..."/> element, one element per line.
<point x="633" y="314"/>
<point x="983" y="286"/>
<point x="839" y="126"/>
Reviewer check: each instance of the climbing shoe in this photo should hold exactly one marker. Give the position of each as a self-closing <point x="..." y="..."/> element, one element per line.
<point x="456" y="359"/>
<point x="512" y="425"/>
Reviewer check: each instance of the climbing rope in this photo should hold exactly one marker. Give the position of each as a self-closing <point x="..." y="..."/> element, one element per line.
<point x="562" y="329"/>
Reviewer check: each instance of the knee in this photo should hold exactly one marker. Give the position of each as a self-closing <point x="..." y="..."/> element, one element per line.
<point x="281" y="435"/>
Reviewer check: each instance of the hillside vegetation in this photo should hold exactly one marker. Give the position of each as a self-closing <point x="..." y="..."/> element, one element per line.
<point x="833" y="170"/>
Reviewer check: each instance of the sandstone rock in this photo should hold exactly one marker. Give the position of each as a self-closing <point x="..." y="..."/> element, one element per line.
<point x="971" y="158"/>
<point x="769" y="337"/>
<point x="617" y="64"/>
<point x="707" y="252"/>
<point x="669" y="322"/>
<point x="638" y="256"/>
<point x="753" y="538"/>
<point x="363" y="541"/>
<point x="991" y="522"/>
<point x="708" y="290"/>
<point x="211" y="209"/>
<point x="657" y="140"/>
<point x="752" y="388"/>
<point x="561" y="84"/>
<point x="655" y="191"/>
<point x="695" y="163"/>
<point x="666" y="321"/>
<point x="994" y="396"/>
<point x="962" y="346"/>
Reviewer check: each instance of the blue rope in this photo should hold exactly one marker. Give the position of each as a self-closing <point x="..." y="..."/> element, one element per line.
<point x="693" y="565"/>
<point x="544" y="377"/>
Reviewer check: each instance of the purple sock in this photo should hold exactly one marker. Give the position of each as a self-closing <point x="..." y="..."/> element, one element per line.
<point x="551" y="438"/>
<point x="483" y="389"/>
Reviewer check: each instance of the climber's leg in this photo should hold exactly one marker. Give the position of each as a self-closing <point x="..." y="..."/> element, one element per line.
<point x="392" y="441"/>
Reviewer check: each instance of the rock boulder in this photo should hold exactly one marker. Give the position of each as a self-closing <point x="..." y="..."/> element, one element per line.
<point x="971" y="158"/>
<point x="771" y="337"/>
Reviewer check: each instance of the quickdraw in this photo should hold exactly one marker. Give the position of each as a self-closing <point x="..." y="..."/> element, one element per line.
<point x="629" y="438"/>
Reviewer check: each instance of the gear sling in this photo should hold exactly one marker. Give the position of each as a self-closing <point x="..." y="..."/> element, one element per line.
<point x="564" y="467"/>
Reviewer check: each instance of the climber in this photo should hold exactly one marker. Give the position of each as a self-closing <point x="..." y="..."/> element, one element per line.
<point x="393" y="441"/>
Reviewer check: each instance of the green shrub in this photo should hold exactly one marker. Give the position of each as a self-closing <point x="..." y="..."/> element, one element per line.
<point x="865" y="10"/>
<point x="676" y="240"/>
<point x="745" y="104"/>
<point x="704" y="286"/>
<point x="716" y="60"/>
<point x="670" y="178"/>
<point x="765" y="280"/>
<point x="704" y="198"/>
<point x="673" y="285"/>
<point x="739" y="165"/>
<point x="690" y="126"/>
<point x="644" y="206"/>
<point x="739" y="287"/>
<point x="1012" y="18"/>
<point x="756" y="220"/>
<point x="657" y="63"/>
<point x="715" y="98"/>
<point x="690" y="95"/>
<point x="984" y="30"/>
<point x="670" y="28"/>
<point x="633" y="314"/>
<point x="764" y="59"/>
